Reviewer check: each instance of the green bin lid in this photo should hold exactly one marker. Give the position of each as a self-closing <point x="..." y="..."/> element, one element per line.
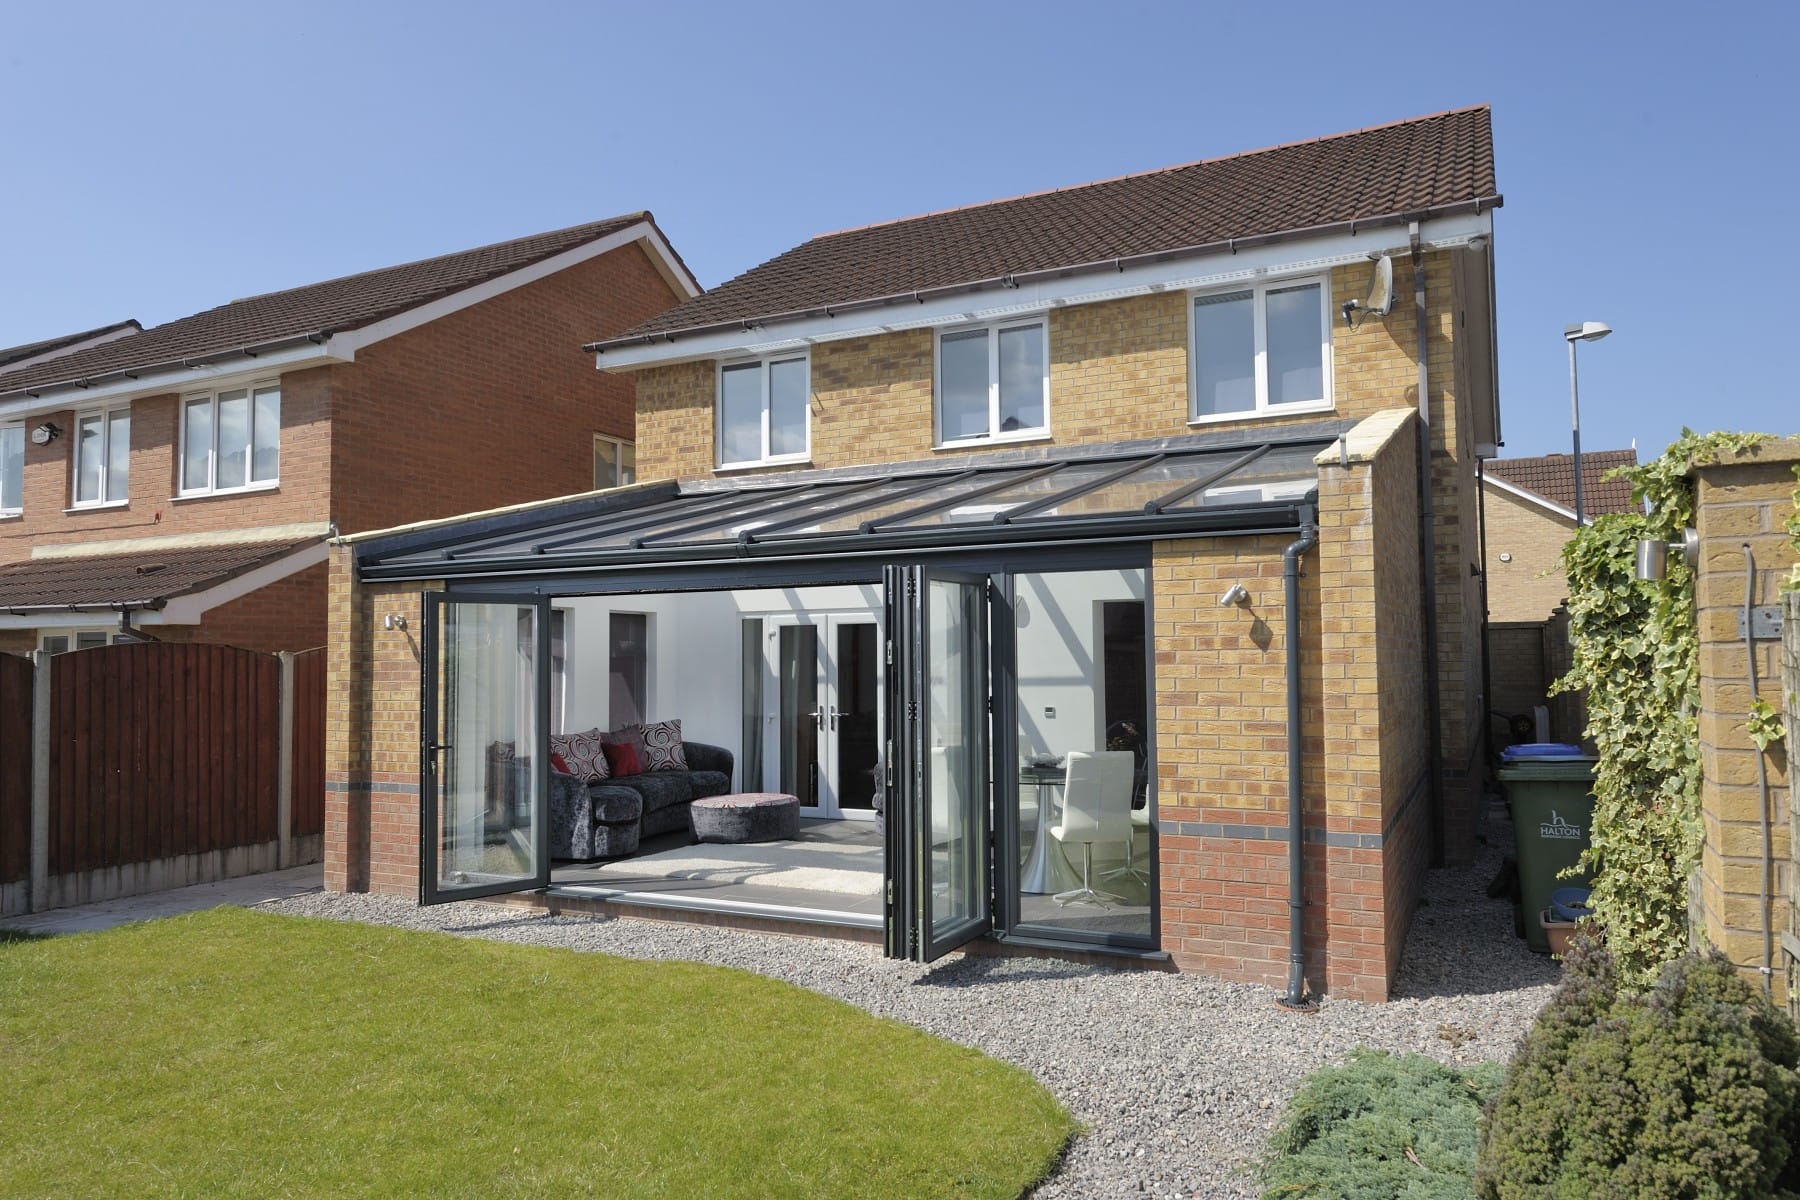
<point x="1579" y="770"/>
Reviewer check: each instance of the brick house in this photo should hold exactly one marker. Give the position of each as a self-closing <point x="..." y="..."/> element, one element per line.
<point x="1110" y="499"/>
<point x="1529" y="515"/>
<point x="179" y="483"/>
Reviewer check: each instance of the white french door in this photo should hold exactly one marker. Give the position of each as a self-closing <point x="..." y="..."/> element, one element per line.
<point x="822" y="716"/>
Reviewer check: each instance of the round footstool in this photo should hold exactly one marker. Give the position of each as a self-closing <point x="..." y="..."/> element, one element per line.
<point x="745" y="817"/>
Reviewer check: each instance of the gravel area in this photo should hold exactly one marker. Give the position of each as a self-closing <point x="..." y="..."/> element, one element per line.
<point x="1178" y="1078"/>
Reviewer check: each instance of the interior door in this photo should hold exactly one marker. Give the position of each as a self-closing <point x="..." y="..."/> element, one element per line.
<point x="822" y="718"/>
<point x="937" y="807"/>
<point x="796" y="716"/>
<point x="853" y="714"/>
<point x="484" y="745"/>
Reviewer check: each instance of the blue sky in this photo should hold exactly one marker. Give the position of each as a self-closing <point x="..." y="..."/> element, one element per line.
<point x="161" y="159"/>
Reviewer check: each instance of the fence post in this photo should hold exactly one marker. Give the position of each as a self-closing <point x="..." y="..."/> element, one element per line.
<point x="38" y="898"/>
<point x="284" y="788"/>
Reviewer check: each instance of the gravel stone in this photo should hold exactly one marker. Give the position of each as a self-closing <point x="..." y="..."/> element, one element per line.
<point x="1177" y="1078"/>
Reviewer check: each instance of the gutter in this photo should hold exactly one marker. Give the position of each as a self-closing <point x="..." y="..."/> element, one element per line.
<point x="253" y="350"/>
<point x="1019" y="279"/>
<point x="1295" y="999"/>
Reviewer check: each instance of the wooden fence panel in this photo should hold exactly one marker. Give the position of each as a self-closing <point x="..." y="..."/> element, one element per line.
<point x="15" y="768"/>
<point x="307" y="816"/>
<point x="159" y="750"/>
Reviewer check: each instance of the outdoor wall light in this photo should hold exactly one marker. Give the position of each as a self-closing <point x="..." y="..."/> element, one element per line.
<point x="1235" y="594"/>
<point x="393" y="621"/>
<point x="44" y="434"/>
<point x="1653" y="554"/>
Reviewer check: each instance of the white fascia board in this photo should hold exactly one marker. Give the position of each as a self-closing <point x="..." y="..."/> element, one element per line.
<point x="206" y="377"/>
<point x="1530" y="497"/>
<point x="188" y="609"/>
<point x="347" y="343"/>
<point x="1270" y="260"/>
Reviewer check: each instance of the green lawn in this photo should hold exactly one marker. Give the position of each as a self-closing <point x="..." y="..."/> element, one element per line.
<point x="236" y="1053"/>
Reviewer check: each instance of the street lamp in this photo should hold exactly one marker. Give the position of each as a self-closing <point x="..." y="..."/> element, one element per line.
<point x="1587" y="331"/>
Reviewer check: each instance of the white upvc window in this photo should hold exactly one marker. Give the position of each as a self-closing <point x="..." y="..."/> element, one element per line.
<point x="65" y="640"/>
<point x="231" y="440"/>
<point x="12" y="469"/>
<point x="763" y="411"/>
<point x="615" y="462"/>
<point x="1261" y="349"/>
<point x="993" y="382"/>
<point x="102" y="458"/>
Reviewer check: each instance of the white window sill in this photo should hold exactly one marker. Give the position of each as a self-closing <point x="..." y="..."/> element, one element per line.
<point x="270" y="486"/>
<point x="1263" y="414"/>
<point x="97" y="507"/>
<point x="791" y="460"/>
<point x="12" y="514"/>
<point x="999" y="439"/>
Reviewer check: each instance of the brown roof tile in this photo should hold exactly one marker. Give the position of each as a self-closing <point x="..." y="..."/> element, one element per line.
<point x="1428" y="163"/>
<point x="1552" y="476"/>
<point x="13" y="354"/>
<point x="144" y="578"/>
<point x="319" y="308"/>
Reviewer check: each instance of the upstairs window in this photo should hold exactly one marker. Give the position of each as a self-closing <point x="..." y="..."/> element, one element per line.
<point x="993" y="383"/>
<point x="102" y="458"/>
<point x="763" y="410"/>
<point x="1261" y="349"/>
<point x="615" y="464"/>
<point x="231" y="440"/>
<point x="12" y="470"/>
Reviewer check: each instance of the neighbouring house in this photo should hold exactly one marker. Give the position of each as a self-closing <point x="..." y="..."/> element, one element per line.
<point x="1528" y="515"/>
<point x="1096" y="570"/>
<point x="179" y="483"/>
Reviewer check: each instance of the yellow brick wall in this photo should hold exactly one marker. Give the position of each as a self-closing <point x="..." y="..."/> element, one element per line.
<point x="1743" y="502"/>
<point x="372" y="734"/>
<point x="1532" y="584"/>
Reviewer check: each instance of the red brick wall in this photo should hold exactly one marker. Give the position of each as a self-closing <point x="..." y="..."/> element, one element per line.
<point x="490" y="406"/>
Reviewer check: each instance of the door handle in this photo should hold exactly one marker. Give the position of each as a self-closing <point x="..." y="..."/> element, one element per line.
<point x="434" y="747"/>
<point x="834" y="717"/>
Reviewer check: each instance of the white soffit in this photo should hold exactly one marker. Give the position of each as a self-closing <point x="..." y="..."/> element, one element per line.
<point x="1270" y="260"/>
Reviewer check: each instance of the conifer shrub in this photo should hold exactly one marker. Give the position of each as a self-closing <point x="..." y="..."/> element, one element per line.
<point x="1381" y="1127"/>
<point x="1687" y="1089"/>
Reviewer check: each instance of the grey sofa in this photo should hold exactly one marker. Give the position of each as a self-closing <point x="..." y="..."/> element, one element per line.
<point x="591" y="820"/>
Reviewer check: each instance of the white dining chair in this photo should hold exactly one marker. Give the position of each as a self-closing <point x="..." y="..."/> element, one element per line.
<point x="1096" y="808"/>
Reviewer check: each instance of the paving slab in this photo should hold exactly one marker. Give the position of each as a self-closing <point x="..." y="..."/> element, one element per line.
<point x="244" y="892"/>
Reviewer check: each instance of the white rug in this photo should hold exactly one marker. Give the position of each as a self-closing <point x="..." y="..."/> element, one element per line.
<point x="822" y="866"/>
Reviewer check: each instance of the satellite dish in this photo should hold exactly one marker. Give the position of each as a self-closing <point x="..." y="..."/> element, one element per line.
<point x="1381" y="293"/>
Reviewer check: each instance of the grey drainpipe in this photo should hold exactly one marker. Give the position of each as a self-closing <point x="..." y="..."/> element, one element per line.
<point x="1434" y="725"/>
<point x="1290" y="582"/>
<point x="1762" y="777"/>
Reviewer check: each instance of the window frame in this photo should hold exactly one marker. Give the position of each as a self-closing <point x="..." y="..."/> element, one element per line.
<point x="619" y="446"/>
<point x="182" y="489"/>
<point x="105" y="415"/>
<point x="71" y="636"/>
<point x="765" y="364"/>
<point x="994" y="435"/>
<point x="18" y="510"/>
<point x="1259" y="290"/>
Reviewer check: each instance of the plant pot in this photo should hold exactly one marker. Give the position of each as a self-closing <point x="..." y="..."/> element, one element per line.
<point x="1558" y="931"/>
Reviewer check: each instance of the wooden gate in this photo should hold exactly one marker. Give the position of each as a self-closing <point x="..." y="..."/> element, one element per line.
<point x="15" y="769"/>
<point x="307" y="816"/>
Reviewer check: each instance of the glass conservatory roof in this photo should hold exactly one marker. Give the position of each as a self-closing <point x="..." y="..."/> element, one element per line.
<point x="1170" y="492"/>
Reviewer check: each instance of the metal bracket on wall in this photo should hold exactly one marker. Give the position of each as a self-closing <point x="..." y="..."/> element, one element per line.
<point x="1765" y="623"/>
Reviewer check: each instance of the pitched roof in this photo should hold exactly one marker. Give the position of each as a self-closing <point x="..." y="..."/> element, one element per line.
<point x="1424" y="166"/>
<point x="1552" y="477"/>
<point x="312" y="311"/>
<point x="13" y="354"/>
<point x="144" y="578"/>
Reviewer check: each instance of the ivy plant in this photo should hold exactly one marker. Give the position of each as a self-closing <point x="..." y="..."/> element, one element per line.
<point x="1636" y="655"/>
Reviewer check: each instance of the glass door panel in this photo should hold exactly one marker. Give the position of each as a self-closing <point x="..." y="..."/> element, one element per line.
<point x="484" y="696"/>
<point x="855" y="725"/>
<point x="793" y="752"/>
<point x="937" y="802"/>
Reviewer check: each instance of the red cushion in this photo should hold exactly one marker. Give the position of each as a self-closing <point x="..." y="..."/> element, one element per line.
<point x="556" y="760"/>
<point x="622" y="758"/>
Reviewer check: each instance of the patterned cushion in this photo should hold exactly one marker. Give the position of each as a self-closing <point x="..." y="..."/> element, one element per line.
<point x="662" y="747"/>
<point x="583" y="754"/>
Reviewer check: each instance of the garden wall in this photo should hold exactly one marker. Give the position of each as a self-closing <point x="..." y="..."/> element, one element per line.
<point x="1741" y="509"/>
